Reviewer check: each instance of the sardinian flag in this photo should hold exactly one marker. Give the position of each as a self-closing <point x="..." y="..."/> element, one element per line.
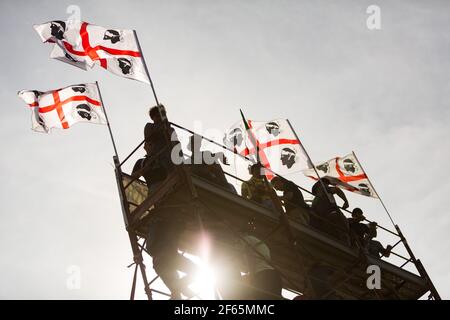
<point x="278" y="148"/>
<point x="83" y="45"/>
<point x="64" y="107"/>
<point x="236" y="138"/>
<point x="346" y="173"/>
<point x="31" y="98"/>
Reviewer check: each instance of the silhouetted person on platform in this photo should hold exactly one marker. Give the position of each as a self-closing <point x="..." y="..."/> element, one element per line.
<point x="153" y="173"/>
<point x="255" y="188"/>
<point x="330" y="218"/>
<point x="292" y="198"/>
<point x="374" y="247"/>
<point x="161" y="139"/>
<point x="358" y="230"/>
<point x="166" y="225"/>
<point x="205" y="164"/>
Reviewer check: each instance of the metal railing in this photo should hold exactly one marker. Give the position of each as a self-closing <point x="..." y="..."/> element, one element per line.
<point x="400" y="237"/>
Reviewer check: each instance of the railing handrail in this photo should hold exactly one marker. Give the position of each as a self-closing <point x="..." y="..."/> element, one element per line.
<point x="249" y="159"/>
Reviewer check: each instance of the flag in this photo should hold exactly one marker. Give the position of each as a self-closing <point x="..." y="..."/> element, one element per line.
<point x="346" y="173"/>
<point x="31" y="98"/>
<point x="84" y="45"/>
<point x="64" y="107"/>
<point x="279" y="150"/>
<point x="235" y="138"/>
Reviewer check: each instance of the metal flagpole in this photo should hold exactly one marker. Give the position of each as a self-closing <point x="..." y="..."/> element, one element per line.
<point x="255" y="142"/>
<point x="330" y="197"/>
<point x="275" y="199"/>
<point x="367" y="176"/>
<point x="107" y="121"/>
<point x="416" y="262"/>
<point x="145" y="66"/>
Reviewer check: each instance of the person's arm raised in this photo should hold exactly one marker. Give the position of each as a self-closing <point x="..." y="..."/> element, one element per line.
<point x="341" y="195"/>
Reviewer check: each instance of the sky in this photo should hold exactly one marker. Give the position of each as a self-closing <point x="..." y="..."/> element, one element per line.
<point x="381" y="93"/>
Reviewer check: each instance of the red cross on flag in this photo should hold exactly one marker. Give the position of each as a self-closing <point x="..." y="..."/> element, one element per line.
<point x="346" y="173"/>
<point x="64" y="107"/>
<point x="236" y="138"/>
<point x="278" y="147"/>
<point x="84" y="45"/>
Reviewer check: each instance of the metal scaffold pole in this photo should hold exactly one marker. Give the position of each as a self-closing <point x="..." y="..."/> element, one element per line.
<point x="137" y="253"/>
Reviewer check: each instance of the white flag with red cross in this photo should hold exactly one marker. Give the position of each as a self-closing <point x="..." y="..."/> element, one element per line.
<point x="83" y="45"/>
<point x="235" y="138"/>
<point x="279" y="150"/>
<point x="62" y="108"/>
<point x="346" y="173"/>
<point x="278" y="147"/>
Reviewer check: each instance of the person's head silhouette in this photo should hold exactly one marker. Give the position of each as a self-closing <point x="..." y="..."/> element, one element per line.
<point x="158" y="113"/>
<point x="256" y="170"/>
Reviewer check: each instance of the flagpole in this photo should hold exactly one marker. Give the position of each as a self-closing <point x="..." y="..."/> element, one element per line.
<point x="275" y="199"/>
<point x="331" y="198"/>
<point x="273" y="194"/>
<point x="145" y="67"/>
<point x="107" y="121"/>
<point x="247" y="128"/>
<point x="382" y="203"/>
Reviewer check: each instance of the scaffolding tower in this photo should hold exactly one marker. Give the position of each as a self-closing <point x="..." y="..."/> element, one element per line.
<point x="296" y="248"/>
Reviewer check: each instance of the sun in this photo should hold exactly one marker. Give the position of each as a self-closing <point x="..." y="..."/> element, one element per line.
<point x="204" y="281"/>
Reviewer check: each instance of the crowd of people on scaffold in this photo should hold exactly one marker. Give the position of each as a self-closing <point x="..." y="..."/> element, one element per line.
<point x="249" y="275"/>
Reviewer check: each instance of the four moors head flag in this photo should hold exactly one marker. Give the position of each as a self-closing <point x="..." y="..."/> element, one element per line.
<point x="346" y="173"/>
<point x="277" y="148"/>
<point x="62" y="108"/>
<point x="83" y="45"/>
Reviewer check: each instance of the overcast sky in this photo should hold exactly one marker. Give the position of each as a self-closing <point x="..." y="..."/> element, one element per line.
<point x="382" y="93"/>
